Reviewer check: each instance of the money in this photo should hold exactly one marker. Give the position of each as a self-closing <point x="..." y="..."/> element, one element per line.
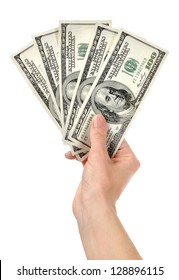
<point x="118" y="89"/>
<point x="99" y="46"/>
<point x="30" y="65"/>
<point x="84" y="68"/>
<point x="74" y="37"/>
<point x="48" y="46"/>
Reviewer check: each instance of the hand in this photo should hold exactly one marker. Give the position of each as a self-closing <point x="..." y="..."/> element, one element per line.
<point x="103" y="177"/>
<point x="103" y="180"/>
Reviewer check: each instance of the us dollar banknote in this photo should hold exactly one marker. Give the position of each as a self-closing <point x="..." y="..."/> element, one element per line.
<point x="74" y="37"/>
<point x="101" y="41"/>
<point x="30" y="65"/>
<point x="119" y="89"/>
<point x="48" y="46"/>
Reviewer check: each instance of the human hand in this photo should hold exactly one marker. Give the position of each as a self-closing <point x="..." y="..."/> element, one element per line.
<point x="103" y="178"/>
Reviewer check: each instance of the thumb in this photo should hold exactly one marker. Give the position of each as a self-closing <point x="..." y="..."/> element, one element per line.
<point x="98" y="131"/>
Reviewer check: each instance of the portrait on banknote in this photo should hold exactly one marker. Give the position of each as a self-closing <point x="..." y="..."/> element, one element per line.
<point x="83" y="90"/>
<point x="69" y="86"/>
<point x="114" y="100"/>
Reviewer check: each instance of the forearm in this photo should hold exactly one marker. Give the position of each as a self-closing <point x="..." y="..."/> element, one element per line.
<point x="103" y="235"/>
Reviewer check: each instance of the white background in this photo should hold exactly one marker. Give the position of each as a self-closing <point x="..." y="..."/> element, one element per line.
<point x="37" y="184"/>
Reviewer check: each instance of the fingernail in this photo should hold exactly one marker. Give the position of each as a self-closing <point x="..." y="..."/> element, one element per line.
<point x="99" y="121"/>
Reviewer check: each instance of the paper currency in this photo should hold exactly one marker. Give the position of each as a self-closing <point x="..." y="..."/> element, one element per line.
<point x="85" y="68"/>
<point x="119" y="89"/>
<point x="102" y="39"/>
<point x="74" y="37"/>
<point x="30" y="65"/>
<point x="48" y="46"/>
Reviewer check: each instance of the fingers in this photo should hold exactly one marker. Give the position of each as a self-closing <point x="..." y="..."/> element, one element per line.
<point x="125" y="146"/>
<point x="69" y="155"/>
<point x="98" y="131"/>
<point x="126" y="154"/>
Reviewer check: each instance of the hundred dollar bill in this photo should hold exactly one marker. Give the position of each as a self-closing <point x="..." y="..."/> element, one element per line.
<point x="29" y="63"/>
<point x="119" y="89"/>
<point x="99" y="47"/>
<point x="48" y="46"/>
<point x="74" y="37"/>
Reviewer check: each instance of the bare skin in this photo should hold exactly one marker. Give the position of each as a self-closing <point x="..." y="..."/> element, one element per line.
<point x="103" y="181"/>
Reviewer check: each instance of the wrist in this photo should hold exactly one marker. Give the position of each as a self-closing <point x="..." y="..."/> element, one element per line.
<point x="102" y="234"/>
<point x="93" y="212"/>
<point x="98" y="228"/>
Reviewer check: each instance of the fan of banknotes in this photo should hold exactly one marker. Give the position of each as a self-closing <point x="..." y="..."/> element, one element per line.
<point x="83" y="68"/>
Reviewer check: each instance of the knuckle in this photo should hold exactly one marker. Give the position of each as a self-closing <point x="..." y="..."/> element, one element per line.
<point x="135" y="163"/>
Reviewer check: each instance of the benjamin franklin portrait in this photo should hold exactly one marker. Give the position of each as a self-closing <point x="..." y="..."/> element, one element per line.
<point x="69" y="86"/>
<point x="83" y="89"/>
<point x="114" y="101"/>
